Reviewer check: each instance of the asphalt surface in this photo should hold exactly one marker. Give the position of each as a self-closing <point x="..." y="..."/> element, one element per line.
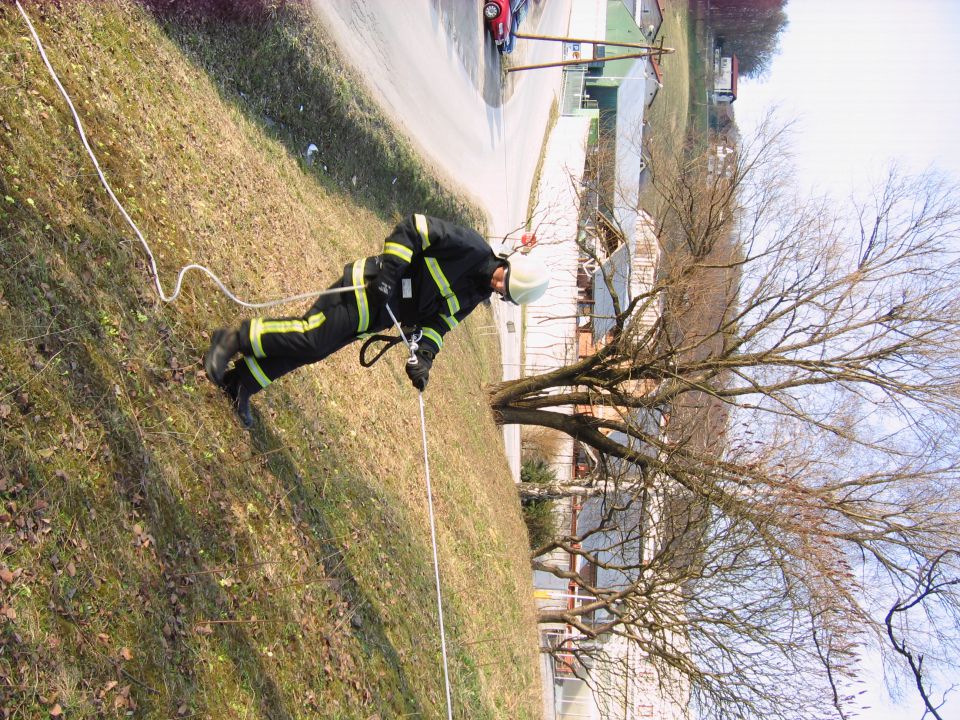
<point x="435" y="70"/>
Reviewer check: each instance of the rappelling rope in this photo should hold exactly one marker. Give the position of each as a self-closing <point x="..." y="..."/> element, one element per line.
<point x="433" y="526"/>
<point x="153" y="264"/>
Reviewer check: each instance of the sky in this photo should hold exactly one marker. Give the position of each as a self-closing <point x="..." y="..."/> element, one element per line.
<point x="871" y="83"/>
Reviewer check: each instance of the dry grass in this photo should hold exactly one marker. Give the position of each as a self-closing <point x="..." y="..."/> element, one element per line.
<point x="154" y="555"/>
<point x="669" y="116"/>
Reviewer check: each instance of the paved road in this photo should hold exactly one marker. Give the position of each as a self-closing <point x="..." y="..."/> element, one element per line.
<point x="435" y="70"/>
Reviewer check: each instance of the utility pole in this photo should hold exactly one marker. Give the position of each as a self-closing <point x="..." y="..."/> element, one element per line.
<point x="648" y="50"/>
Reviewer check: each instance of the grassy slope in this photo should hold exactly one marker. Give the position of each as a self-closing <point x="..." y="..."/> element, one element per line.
<point x="670" y="118"/>
<point x="154" y="555"/>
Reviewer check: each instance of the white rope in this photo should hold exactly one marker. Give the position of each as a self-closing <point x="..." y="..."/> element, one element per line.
<point x="433" y="526"/>
<point x="153" y="265"/>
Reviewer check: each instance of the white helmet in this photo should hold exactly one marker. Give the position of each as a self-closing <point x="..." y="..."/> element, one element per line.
<point x="526" y="279"/>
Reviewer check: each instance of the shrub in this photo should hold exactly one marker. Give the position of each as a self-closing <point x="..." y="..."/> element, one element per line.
<point x="538" y="513"/>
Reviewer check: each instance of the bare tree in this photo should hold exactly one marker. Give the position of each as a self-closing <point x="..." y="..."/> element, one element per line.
<point x="807" y="476"/>
<point x="749" y="29"/>
<point x="936" y="581"/>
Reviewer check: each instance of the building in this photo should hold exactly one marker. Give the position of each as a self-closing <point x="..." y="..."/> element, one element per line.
<point x="647" y="14"/>
<point x="726" y="70"/>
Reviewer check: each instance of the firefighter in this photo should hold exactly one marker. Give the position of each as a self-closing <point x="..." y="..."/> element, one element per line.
<point x="432" y="273"/>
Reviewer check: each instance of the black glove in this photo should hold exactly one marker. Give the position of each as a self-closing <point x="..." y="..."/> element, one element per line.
<point x="419" y="371"/>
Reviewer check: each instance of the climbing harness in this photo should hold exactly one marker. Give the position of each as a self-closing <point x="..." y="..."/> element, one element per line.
<point x="433" y="527"/>
<point x="388" y="342"/>
<point x="153" y="264"/>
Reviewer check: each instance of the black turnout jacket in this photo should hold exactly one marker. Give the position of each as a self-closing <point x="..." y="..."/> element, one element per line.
<point x="440" y="272"/>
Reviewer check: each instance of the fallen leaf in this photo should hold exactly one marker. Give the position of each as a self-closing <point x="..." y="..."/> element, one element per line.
<point x="9" y="613"/>
<point x="126" y="653"/>
<point x="71" y="569"/>
<point x="6" y="575"/>
<point x="56" y="711"/>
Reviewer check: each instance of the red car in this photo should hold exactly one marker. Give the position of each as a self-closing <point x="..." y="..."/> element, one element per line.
<point x="503" y="17"/>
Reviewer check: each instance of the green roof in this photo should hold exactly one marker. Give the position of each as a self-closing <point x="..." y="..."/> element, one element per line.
<point x="621" y="27"/>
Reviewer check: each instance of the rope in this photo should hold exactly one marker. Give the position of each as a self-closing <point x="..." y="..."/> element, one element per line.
<point x="433" y="526"/>
<point x="153" y="265"/>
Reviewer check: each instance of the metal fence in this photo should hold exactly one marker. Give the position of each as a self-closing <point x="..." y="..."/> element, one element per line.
<point x="574" y="80"/>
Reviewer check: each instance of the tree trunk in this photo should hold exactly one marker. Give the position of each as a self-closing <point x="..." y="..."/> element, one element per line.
<point x="581" y="428"/>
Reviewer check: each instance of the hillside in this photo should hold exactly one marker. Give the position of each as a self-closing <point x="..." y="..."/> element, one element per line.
<point x="157" y="560"/>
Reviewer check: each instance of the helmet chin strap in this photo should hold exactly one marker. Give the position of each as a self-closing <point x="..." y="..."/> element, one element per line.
<point x="506" y="286"/>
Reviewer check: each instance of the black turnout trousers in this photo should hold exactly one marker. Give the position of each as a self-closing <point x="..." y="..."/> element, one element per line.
<point x="273" y="347"/>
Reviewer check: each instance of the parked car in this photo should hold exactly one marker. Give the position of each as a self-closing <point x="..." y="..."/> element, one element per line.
<point x="503" y="17"/>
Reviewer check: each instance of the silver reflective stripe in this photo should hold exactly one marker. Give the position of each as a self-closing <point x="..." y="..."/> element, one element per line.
<point x="260" y="327"/>
<point x="421" y="222"/>
<point x="254" y="367"/>
<point x="363" y="307"/>
<point x="432" y="334"/>
<point x="398" y="250"/>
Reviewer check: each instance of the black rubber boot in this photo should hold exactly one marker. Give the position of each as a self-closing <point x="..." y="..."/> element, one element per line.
<point x="224" y="345"/>
<point x="239" y="398"/>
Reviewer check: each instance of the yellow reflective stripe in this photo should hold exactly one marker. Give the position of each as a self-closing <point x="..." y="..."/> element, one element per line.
<point x="453" y="305"/>
<point x="363" y="308"/>
<point x="254" y="367"/>
<point x="315" y="321"/>
<point x="451" y="321"/>
<point x="401" y="251"/>
<point x="255" y="332"/>
<point x="421" y="222"/>
<point x="260" y="327"/>
<point x="432" y="334"/>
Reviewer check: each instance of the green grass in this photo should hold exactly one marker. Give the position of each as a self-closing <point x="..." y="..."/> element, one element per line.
<point x="678" y="119"/>
<point x="700" y="58"/>
<point x="669" y="116"/>
<point x="154" y="556"/>
<point x="538" y="172"/>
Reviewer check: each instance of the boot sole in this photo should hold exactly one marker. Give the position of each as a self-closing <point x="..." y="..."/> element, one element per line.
<point x="208" y="365"/>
